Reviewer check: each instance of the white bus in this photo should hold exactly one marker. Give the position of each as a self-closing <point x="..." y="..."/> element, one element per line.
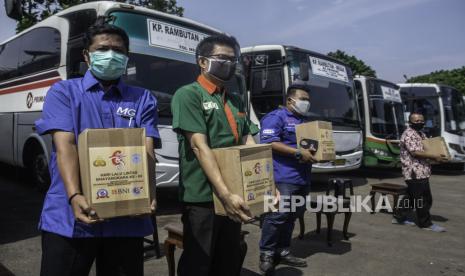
<point x="273" y="67"/>
<point x="161" y="59"/>
<point x="383" y="120"/>
<point x="444" y="110"/>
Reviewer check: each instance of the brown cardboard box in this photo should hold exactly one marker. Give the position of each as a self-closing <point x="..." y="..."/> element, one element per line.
<point x="436" y="145"/>
<point x="248" y="172"/>
<point x="114" y="171"/>
<point x="318" y="135"/>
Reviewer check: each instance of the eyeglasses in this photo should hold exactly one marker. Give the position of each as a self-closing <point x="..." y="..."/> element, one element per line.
<point x="224" y="58"/>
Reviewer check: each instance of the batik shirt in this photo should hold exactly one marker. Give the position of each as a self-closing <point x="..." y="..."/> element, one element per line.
<point x="412" y="167"/>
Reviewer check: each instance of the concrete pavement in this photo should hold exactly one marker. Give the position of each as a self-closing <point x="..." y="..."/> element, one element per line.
<point x="376" y="247"/>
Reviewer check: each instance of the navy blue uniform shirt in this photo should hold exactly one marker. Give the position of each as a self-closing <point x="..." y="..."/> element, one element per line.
<point x="73" y="106"/>
<point x="279" y="126"/>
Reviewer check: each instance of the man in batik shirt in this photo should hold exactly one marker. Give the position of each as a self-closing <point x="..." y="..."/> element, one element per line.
<point x="416" y="170"/>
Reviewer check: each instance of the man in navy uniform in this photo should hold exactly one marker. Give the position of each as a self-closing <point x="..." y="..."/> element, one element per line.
<point x="292" y="168"/>
<point x="72" y="234"/>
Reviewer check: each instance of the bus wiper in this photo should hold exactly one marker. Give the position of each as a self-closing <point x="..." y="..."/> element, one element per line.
<point x="344" y="121"/>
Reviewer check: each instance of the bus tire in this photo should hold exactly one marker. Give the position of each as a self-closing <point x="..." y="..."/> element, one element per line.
<point x="39" y="172"/>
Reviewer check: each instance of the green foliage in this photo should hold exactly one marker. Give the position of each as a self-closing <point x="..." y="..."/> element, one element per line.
<point x="37" y="10"/>
<point x="168" y="6"/>
<point x="357" y="65"/>
<point x="455" y="78"/>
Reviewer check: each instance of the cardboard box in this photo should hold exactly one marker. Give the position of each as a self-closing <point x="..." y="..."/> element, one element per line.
<point x="436" y="145"/>
<point x="114" y="171"/>
<point x="317" y="135"/>
<point x="248" y="172"/>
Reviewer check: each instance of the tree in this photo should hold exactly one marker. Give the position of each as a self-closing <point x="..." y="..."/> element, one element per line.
<point x="168" y="6"/>
<point x="454" y="77"/>
<point x="37" y="10"/>
<point x="358" y="66"/>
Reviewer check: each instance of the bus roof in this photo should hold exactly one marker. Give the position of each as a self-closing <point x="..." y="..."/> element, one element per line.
<point x="103" y="6"/>
<point x="288" y="47"/>
<point x="437" y="86"/>
<point x="373" y="78"/>
<point x="417" y="85"/>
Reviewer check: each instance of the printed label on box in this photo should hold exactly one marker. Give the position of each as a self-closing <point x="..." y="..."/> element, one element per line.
<point x="257" y="176"/>
<point x="117" y="174"/>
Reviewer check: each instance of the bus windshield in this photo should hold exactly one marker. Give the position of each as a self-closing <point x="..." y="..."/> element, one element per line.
<point x="424" y="100"/>
<point x="386" y="110"/>
<point x="162" y="56"/>
<point x="331" y="99"/>
<point x="454" y="110"/>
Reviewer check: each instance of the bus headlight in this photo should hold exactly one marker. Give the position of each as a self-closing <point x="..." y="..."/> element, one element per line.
<point x="380" y="152"/>
<point x="456" y="147"/>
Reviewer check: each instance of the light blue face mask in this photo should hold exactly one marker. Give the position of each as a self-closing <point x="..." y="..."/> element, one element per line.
<point x="107" y="65"/>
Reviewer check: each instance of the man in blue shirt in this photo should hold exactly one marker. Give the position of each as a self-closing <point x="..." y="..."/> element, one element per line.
<point x="72" y="234"/>
<point x="292" y="169"/>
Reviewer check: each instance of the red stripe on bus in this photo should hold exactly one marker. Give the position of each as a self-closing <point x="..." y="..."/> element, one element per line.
<point x="21" y="88"/>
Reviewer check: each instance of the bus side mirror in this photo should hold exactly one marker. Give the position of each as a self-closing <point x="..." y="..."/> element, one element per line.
<point x="304" y="71"/>
<point x="14" y="9"/>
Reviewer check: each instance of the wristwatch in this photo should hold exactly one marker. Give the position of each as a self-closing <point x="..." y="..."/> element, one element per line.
<point x="298" y="155"/>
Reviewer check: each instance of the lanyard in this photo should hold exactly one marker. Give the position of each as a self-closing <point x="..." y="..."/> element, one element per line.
<point x="230" y="116"/>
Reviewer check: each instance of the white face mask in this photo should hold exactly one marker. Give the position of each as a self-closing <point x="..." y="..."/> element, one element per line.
<point x="301" y="107"/>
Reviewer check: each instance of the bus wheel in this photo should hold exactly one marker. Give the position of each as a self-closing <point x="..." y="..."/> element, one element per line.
<point x="39" y="171"/>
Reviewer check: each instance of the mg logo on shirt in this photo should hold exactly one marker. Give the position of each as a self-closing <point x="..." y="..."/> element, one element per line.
<point x="210" y="105"/>
<point x="126" y="112"/>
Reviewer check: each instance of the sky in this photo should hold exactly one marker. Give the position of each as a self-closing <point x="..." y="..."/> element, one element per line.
<point x="394" y="37"/>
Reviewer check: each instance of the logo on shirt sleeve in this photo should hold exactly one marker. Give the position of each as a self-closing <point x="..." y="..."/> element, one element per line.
<point x="268" y="131"/>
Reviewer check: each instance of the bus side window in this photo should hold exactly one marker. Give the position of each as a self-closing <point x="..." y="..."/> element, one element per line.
<point x="406" y="102"/>
<point x="40" y="50"/>
<point x="361" y="105"/>
<point x="266" y="90"/>
<point x="74" y="57"/>
<point x="79" y="22"/>
<point x="9" y="59"/>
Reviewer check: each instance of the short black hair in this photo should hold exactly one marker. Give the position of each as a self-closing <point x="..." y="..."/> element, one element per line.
<point x="206" y="46"/>
<point x="105" y="28"/>
<point x="414" y="113"/>
<point x="292" y="89"/>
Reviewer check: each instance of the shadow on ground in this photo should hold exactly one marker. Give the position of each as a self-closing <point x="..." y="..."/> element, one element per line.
<point x="20" y="205"/>
<point x="5" y="272"/>
<point x="313" y="243"/>
<point x="359" y="177"/>
<point x="438" y="218"/>
<point x="449" y="169"/>
<point x="280" y="270"/>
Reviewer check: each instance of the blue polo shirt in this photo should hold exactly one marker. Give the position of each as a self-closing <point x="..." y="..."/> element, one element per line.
<point x="73" y="106"/>
<point x="279" y="126"/>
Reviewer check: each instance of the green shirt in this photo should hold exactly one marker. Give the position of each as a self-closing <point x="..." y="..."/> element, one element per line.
<point x="199" y="108"/>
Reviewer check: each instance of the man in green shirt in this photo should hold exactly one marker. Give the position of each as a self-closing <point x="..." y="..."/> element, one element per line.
<point x="206" y="116"/>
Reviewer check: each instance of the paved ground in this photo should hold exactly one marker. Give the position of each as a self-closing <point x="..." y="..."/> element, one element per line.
<point x="376" y="247"/>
